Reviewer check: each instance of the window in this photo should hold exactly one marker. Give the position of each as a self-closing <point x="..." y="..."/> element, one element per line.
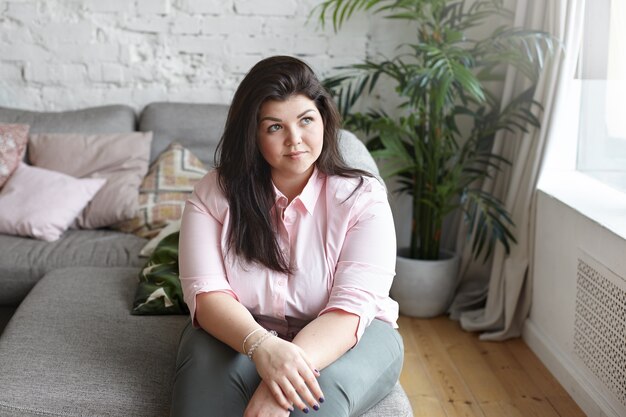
<point x="602" y="70"/>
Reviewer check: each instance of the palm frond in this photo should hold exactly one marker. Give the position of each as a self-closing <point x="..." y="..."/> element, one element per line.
<point x="442" y="80"/>
<point x="342" y="10"/>
<point x="489" y="221"/>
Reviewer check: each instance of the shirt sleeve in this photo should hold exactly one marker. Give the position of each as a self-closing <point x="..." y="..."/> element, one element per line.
<point x="366" y="264"/>
<point x="201" y="263"/>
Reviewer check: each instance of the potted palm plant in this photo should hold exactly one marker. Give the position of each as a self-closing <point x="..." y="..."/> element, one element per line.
<point x="441" y="78"/>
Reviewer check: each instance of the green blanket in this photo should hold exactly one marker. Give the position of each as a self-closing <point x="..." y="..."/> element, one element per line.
<point x="159" y="290"/>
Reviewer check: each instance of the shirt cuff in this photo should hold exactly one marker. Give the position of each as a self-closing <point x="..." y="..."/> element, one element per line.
<point x="355" y="302"/>
<point x="192" y="287"/>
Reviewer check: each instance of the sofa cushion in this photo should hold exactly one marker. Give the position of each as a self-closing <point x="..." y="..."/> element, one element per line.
<point x="120" y="158"/>
<point x="104" y="119"/>
<point x="73" y="349"/>
<point x="164" y="190"/>
<point x="24" y="261"/>
<point x="159" y="290"/>
<point x="13" y="139"/>
<point x="356" y="155"/>
<point x="40" y="203"/>
<point x="5" y="315"/>
<point x="197" y="127"/>
<point x="149" y="247"/>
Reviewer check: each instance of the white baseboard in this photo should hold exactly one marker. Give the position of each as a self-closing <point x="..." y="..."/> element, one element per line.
<point x="588" y="398"/>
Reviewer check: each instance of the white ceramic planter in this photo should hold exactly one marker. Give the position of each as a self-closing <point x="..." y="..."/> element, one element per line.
<point x="425" y="288"/>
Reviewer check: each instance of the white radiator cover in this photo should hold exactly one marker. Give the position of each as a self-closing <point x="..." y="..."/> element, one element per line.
<point x="600" y="328"/>
<point x="578" y="315"/>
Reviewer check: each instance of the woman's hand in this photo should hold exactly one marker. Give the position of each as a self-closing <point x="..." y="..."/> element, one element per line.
<point x="263" y="404"/>
<point x="288" y="374"/>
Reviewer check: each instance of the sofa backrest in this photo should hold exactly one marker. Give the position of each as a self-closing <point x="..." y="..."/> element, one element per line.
<point x="198" y="127"/>
<point x="104" y="119"/>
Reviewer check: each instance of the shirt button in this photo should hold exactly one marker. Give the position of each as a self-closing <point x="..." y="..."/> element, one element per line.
<point x="281" y="282"/>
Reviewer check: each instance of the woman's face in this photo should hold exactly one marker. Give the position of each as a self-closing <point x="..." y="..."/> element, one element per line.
<point x="290" y="136"/>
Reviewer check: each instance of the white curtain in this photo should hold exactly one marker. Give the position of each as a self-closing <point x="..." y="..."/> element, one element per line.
<point x="508" y="288"/>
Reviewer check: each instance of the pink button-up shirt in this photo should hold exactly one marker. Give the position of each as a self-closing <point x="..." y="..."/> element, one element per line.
<point x="343" y="253"/>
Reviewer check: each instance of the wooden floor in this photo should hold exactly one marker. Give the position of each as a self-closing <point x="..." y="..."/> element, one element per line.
<point x="450" y="373"/>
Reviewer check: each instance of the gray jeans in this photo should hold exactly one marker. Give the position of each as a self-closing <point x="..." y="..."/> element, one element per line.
<point x="212" y="380"/>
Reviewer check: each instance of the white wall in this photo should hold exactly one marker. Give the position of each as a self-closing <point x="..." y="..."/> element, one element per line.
<point x="66" y="54"/>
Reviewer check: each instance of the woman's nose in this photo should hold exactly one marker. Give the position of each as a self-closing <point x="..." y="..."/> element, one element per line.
<point x="293" y="138"/>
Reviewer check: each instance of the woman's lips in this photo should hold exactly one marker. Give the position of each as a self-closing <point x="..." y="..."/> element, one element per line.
<point x="295" y="155"/>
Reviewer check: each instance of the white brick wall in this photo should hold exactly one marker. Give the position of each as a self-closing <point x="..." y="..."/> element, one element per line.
<point x="66" y="54"/>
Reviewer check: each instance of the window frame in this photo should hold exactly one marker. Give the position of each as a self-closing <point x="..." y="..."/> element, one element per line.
<point x="600" y="154"/>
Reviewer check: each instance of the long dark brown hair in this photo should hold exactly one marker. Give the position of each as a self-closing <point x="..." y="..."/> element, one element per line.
<point x="243" y="173"/>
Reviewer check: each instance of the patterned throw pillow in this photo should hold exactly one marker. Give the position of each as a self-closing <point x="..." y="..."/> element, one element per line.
<point x="13" y="140"/>
<point x="164" y="190"/>
<point x="159" y="290"/>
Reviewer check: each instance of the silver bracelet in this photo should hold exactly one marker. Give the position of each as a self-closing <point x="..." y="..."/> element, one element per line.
<point x="243" y="345"/>
<point x="258" y="342"/>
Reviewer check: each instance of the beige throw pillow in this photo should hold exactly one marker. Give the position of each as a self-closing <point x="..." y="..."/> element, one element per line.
<point x="122" y="159"/>
<point x="164" y="190"/>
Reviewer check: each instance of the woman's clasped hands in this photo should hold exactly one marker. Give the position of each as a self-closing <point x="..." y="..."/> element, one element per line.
<point x="288" y="380"/>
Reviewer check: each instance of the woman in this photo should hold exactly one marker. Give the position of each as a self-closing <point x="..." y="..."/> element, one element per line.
<point x="283" y="239"/>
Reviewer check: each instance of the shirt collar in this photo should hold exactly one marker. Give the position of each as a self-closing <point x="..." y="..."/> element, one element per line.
<point x="309" y="195"/>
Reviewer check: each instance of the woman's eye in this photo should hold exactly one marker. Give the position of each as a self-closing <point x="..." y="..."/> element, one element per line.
<point x="307" y="120"/>
<point x="273" y="128"/>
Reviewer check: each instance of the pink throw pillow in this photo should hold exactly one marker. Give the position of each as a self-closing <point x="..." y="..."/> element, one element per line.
<point x="13" y="140"/>
<point x="42" y="204"/>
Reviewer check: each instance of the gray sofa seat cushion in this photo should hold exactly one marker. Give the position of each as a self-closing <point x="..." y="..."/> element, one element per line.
<point x="104" y="119"/>
<point x="24" y="261"/>
<point x="396" y="404"/>
<point x="72" y="348"/>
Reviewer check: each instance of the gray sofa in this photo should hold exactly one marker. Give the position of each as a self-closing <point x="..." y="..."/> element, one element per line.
<point x="70" y="346"/>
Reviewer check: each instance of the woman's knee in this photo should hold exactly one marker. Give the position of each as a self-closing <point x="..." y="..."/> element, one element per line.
<point x="365" y="374"/>
<point x="210" y="376"/>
